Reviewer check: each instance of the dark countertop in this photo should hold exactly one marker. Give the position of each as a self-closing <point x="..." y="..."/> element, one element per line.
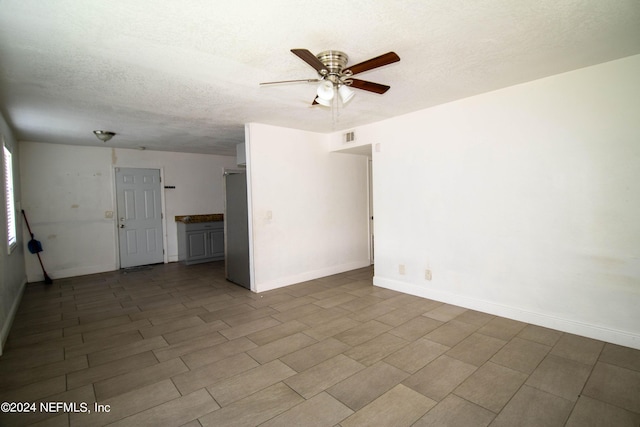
<point x="190" y="219"/>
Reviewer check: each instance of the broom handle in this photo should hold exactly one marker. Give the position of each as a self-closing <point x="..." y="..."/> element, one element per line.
<point x="25" y="220"/>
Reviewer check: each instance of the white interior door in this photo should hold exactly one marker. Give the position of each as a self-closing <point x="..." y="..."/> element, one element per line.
<point x="139" y="216"/>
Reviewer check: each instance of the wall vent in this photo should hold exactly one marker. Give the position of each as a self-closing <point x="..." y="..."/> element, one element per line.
<point x="349" y="137"/>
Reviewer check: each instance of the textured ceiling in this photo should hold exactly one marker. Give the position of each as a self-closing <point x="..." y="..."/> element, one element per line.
<point x="184" y="75"/>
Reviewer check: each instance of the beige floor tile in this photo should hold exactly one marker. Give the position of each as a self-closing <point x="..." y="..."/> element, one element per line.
<point x="194" y="332"/>
<point x="398" y="407"/>
<point x="376" y="349"/>
<point x="322" y="376"/>
<point x="140" y="378"/>
<point x="316" y="353"/>
<point x="61" y="420"/>
<point x="367" y="385"/>
<point x="320" y="410"/>
<point x="217" y="352"/>
<point x="440" y="377"/>
<point x="297" y="312"/>
<point x="580" y="349"/>
<point x="254" y="409"/>
<point x="332" y="328"/>
<point x="371" y="312"/>
<point x="476" y="318"/>
<point x="453" y="411"/>
<point x="296" y="302"/>
<point x="416" y="355"/>
<point x="362" y="333"/>
<point x="400" y="315"/>
<point x="615" y="385"/>
<point x="242" y="318"/>
<point x="445" y="312"/>
<point x="249" y="382"/>
<point x="95" y="346"/>
<point x="275" y="333"/>
<point x="203" y="333"/>
<point x="189" y="346"/>
<point x="174" y="412"/>
<point x="334" y="300"/>
<point x="415" y="328"/>
<point x="360" y="303"/>
<point x="110" y="369"/>
<point x="476" y="349"/>
<point x="98" y="325"/>
<point x="163" y="319"/>
<point x="105" y="333"/>
<point x="31" y="357"/>
<point x="540" y="335"/>
<point x="175" y="325"/>
<point x="451" y="333"/>
<point x="281" y="347"/>
<point x="560" y="376"/>
<point x="624" y="357"/>
<point x="322" y="316"/>
<point x="120" y="352"/>
<point x="531" y="407"/>
<point x="249" y="328"/>
<point x="269" y="299"/>
<point x="14" y="379"/>
<point x="35" y="391"/>
<point x="502" y="328"/>
<point x="491" y="386"/>
<point x="521" y="355"/>
<point x="127" y="404"/>
<point x="17" y="340"/>
<point x="214" y="372"/>
<point x="590" y="412"/>
<point x="167" y="310"/>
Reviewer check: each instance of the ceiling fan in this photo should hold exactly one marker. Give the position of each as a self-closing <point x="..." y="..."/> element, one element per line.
<point x="333" y="74"/>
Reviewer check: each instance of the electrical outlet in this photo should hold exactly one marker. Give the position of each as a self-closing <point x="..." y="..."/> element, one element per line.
<point x="401" y="269"/>
<point x="427" y="274"/>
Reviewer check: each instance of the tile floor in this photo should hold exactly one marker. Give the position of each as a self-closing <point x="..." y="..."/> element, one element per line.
<point x="171" y="345"/>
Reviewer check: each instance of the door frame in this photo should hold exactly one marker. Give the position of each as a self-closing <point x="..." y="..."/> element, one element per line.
<point x="163" y="208"/>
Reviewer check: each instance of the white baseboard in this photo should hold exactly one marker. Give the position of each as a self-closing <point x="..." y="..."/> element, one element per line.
<point x="6" y="327"/>
<point x="602" y="333"/>
<point x="310" y="275"/>
<point x="71" y="272"/>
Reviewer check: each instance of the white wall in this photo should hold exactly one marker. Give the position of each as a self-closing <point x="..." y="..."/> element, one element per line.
<point x="309" y="207"/>
<point x="523" y="202"/>
<point x="12" y="270"/>
<point x="67" y="190"/>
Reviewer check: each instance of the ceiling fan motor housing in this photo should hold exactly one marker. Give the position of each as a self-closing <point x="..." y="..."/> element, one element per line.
<point x="334" y="61"/>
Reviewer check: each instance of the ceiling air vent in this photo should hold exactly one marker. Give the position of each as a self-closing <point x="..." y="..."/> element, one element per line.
<point x="349" y="137"/>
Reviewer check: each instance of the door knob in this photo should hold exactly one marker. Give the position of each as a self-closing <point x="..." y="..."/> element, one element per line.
<point x="121" y="225"/>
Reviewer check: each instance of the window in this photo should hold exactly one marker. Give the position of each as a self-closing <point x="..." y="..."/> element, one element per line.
<point x="9" y="200"/>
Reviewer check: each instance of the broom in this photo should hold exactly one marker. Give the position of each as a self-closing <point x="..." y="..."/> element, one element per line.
<point x="35" y="247"/>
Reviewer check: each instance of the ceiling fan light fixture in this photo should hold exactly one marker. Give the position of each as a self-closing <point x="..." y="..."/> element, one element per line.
<point x="345" y="93"/>
<point x="325" y="91"/>
<point x="323" y="102"/>
<point x="104" y="135"/>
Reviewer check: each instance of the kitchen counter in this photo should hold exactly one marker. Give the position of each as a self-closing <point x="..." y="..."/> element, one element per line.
<point x="192" y="219"/>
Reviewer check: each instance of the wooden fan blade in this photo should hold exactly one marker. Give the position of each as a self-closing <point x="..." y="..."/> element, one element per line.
<point x="378" y="61"/>
<point x="291" y="81"/>
<point x="370" y="86"/>
<point x="310" y="59"/>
